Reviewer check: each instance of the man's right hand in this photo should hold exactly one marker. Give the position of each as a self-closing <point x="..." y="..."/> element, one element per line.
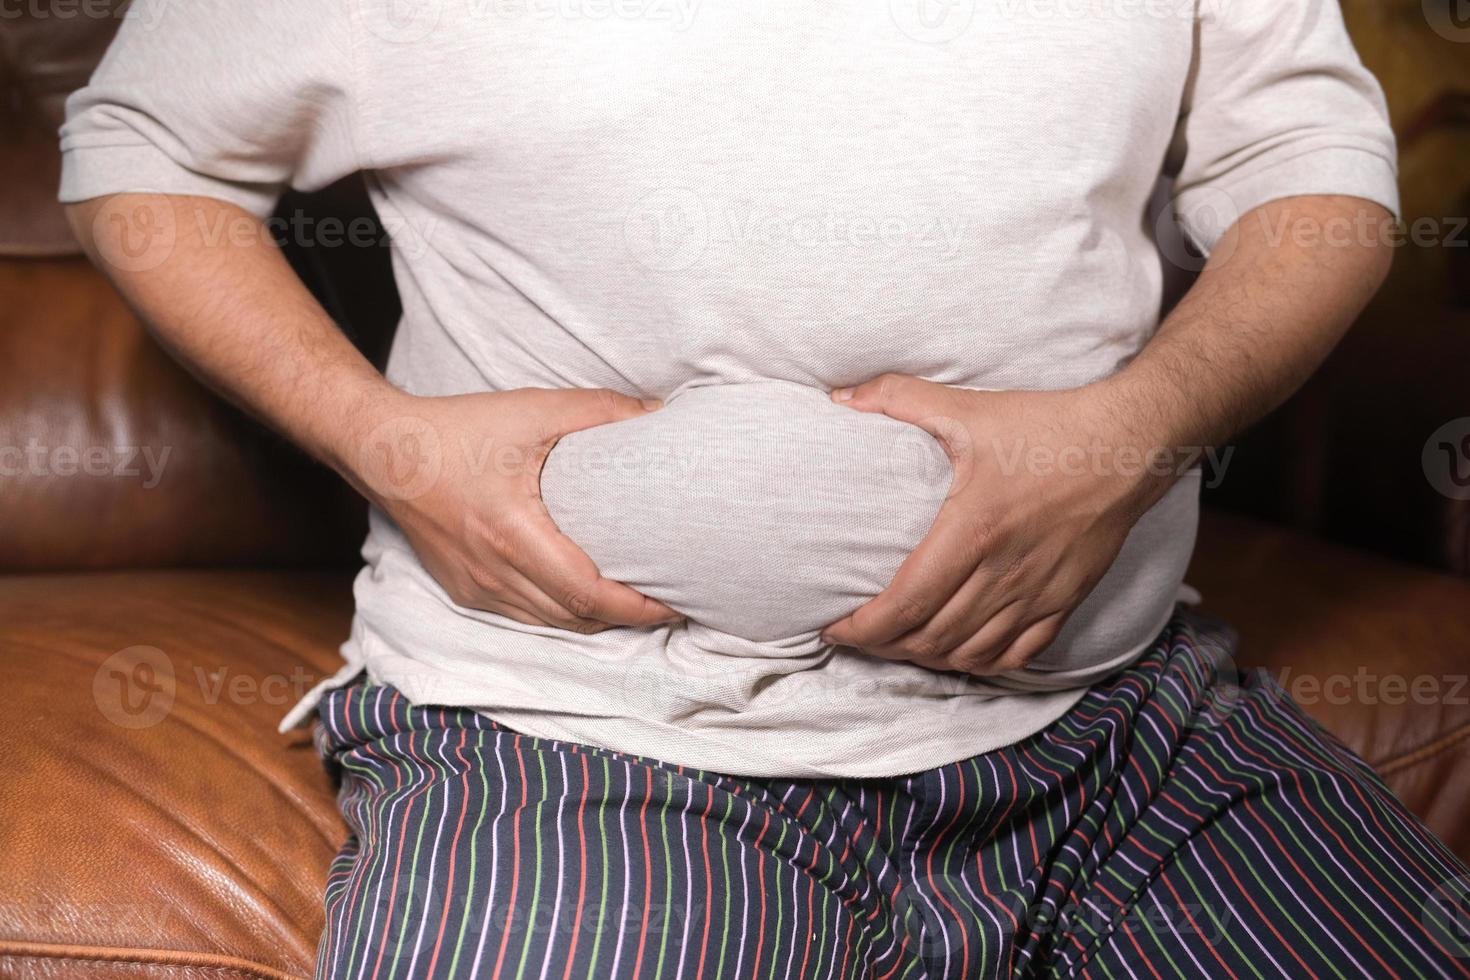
<point x="461" y="477"/>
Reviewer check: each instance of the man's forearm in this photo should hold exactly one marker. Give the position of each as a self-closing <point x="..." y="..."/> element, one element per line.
<point x="231" y="308"/>
<point x="1278" y="292"/>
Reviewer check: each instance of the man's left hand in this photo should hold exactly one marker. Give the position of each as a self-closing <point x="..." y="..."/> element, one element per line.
<point x="1041" y="501"/>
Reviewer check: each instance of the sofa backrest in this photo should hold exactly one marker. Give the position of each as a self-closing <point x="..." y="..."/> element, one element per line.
<point x="112" y="456"/>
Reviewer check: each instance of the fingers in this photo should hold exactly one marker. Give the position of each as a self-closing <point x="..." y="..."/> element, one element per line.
<point x="554" y="576"/>
<point x="535" y="617"/>
<point x="506" y="590"/>
<point x="977" y="653"/>
<point x="980" y="601"/>
<point x="499" y="588"/>
<point x="542" y="609"/>
<point x="583" y="408"/>
<point x="924" y="583"/>
<point x="554" y="563"/>
<point x="1006" y="641"/>
<point x="1014" y="648"/>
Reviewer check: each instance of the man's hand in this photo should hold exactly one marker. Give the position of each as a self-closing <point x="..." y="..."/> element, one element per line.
<point x="461" y="477"/>
<point x="1013" y="550"/>
<point x="1035" y="515"/>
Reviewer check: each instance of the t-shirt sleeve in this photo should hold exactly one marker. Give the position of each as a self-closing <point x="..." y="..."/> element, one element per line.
<point x="216" y="98"/>
<point x="1277" y="105"/>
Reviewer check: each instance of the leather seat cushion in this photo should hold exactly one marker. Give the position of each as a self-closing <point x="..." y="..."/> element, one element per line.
<point x="198" y="842"/>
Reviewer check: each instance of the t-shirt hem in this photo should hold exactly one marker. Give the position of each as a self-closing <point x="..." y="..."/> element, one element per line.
<point x="1016" y="717"/>
<point x="101" y="170"/>
<point x="1207" y="209"/>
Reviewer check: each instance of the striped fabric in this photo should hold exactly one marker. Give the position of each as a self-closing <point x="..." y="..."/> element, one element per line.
<point x="1180" y="821"/>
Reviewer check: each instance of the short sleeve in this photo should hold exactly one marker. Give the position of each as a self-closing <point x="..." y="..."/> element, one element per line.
<point x="216" y="98"/>
<point x="1277" y="105"/>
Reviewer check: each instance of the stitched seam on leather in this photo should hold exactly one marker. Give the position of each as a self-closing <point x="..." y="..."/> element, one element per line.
<point x="145" y="957"/>
<point x="1418" y="755"/>
<point x="193" y="969"/>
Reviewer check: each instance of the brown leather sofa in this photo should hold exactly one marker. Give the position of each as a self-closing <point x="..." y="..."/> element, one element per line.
<point x="172" y="577"/>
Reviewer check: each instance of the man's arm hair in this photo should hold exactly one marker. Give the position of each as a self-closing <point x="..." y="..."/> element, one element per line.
<point x="1278" y="292"/>
<point x="214" y="288"/>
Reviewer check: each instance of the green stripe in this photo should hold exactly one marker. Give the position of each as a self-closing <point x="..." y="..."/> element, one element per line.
<point x="464" y="919"/>
<point x="663" y="944"/>
<point x="602" y="833"/>
<point x="418" y="843"/>
<point x="725" y="866"/>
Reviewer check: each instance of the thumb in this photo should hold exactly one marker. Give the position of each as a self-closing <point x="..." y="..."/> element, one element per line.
<point x="933" y="407"/>
<point x="905" y="398"/>
<point x="583" y="408"/>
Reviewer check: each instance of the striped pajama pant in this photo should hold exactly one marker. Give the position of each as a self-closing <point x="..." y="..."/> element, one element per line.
<point x="1181" y="820"/>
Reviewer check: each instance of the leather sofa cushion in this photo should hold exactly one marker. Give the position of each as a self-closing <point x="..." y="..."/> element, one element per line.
<point x="149" y="834"/>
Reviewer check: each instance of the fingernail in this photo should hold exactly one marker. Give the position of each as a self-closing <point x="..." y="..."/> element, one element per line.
<point x="842" y="394"/>
<point x="652" y="404"/>
<point x="827" y="639"/>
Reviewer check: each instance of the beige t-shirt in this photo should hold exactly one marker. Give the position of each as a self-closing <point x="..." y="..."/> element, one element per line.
<point x="735" y="207"/>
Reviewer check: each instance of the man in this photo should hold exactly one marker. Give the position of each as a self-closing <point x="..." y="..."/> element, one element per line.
<point x="782" y="484"/>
